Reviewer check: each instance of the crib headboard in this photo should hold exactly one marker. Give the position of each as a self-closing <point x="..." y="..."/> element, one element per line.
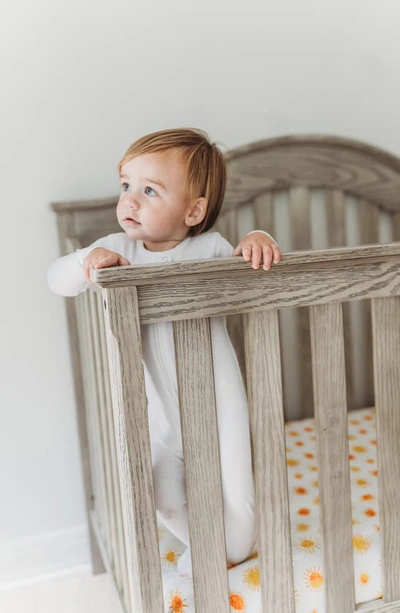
<point x="310" y="192"/>
<point x="314" y="192"/>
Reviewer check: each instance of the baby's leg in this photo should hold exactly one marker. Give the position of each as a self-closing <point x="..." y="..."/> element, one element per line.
<point x="235" y="448"/>
<point x="169" y="491"/>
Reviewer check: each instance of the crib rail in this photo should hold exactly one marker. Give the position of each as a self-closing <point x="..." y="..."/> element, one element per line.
<point x="188" y="294"/>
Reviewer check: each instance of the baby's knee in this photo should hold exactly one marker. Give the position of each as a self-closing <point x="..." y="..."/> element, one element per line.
<point x="168" y="513"/>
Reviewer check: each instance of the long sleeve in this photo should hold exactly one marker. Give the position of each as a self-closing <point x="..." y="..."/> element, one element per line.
<point x="65" y="275"/>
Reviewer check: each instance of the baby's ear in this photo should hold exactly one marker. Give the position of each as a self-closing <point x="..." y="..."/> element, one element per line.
<point x="196" y="212"/>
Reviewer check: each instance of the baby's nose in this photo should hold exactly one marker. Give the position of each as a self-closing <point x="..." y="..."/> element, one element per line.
<point x="134" y="202"/>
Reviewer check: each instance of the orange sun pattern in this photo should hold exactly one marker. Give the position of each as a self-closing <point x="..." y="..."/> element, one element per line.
<point x="308" y="564"/>
<point x="177" y="603"/>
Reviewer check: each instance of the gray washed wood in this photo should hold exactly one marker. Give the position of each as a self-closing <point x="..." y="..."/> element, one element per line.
<point x="150" y="273"/>
<point x="300" y="228"/>
<point x="134" y="457"/>
<point x="256" y="290"/>
<point x="386" y="335"/>
<point x="269" y="461"/>
<point x="313" y="161"/>
<point x="329" y="383"/>
<point x="336" y="224"/>
<point x="202" y="464"/>
<point x="379" y="607"/>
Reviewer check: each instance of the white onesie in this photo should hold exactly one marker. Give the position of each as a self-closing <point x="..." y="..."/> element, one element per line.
<point x="66" y="277"/>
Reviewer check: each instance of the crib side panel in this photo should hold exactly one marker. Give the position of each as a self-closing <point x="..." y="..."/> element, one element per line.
<point x="333" y="465"/>
<point x="386" y="351"/>
<point x="269" y="460"/>
<point x="134" y="455"/>
<point x="202" y="464"/>
<point x="255" y="290"/>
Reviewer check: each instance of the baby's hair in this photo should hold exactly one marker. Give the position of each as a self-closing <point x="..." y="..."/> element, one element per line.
<point x="205" y="166"/>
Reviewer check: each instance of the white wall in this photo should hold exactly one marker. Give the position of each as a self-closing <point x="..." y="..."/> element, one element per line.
<point x="79" y="82"/>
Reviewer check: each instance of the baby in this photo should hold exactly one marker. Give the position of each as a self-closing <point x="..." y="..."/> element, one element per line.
<point x="172" y="188"/>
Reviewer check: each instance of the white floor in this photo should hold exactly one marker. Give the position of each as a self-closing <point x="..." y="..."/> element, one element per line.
<point x="76" y="593"/>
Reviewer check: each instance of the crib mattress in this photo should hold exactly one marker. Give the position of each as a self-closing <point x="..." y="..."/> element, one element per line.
<point x="308" y="564"/>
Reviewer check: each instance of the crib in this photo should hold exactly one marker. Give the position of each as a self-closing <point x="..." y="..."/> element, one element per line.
<point x="317" y="288"/>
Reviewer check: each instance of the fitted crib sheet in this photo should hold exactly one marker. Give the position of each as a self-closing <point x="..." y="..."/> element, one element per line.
<point x="308" y="564"/>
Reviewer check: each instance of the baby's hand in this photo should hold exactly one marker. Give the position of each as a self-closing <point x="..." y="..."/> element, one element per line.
<point x="258" y="246"/>
<point x="102" y="258"/>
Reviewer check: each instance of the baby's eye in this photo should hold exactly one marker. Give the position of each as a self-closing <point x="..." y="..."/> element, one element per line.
<point x="125" y="187"/>
<point x="149" y="191"/>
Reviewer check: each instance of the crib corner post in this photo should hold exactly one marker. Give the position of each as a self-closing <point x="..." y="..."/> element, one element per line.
<point x="129" y="402"/>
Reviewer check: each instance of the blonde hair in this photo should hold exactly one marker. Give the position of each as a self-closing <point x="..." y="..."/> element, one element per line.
<point x="205" y="166"/>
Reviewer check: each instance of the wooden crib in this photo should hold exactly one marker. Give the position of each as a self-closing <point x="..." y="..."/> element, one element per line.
<point x="321" y="284"/>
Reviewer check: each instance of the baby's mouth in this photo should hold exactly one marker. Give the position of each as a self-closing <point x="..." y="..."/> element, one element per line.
<point x="131" y="220"/>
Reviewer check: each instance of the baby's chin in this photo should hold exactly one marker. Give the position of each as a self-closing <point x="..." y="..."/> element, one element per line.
<point x="133" y="230"/>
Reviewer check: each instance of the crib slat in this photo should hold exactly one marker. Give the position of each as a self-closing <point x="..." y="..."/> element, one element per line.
<point x="396" y="226"/>
<point x="269" y="460"/>
<point x="301" y="239"/>
<point x="336" y="222"/>
<point x="120" y="559"/>
<point x="202" y="464"/>
<point x="89" y="457"/>
<point x="369" y="234"/>
<point x="94" y="428"/>
<point x="228" y="226"/>
<point x="134" y="456"/>
<point x="327" y="345"/>
<point x="386" y="350"/>
<point x="103" y="431"/>
<point x="335" y="218"/>
<point x="264" y="213"/>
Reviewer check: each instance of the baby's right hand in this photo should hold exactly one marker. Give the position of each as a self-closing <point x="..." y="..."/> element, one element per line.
<point x="102" y="258"/>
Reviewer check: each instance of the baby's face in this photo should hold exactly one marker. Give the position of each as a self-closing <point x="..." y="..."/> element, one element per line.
<point x="154" y="199"/>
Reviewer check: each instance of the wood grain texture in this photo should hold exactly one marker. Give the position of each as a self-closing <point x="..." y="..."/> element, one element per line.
<point x="258" y="290"/>
<point x="115" y="546"/>
<point x="300" y="226"/>
<point x="158" y="274"/>
<point x="386" y="343"/>
<point x="134" y="457"/>
<point x="104" y="441"/>
<point x="336" y="225"/>
<point x="120" y="575"/>
<point x="269" y="461"/>
<point x="86" y="347"/>
<point x="97" y="449"/>
<point x="202" y="464"/>
<point x="313" y="161"/>
<point x="326" y="325"/>
<point x="379" y="607"/>
<point x="369" y="234"/>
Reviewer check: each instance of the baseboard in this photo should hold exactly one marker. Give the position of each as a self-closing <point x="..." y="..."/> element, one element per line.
<point x="42" y="557"/>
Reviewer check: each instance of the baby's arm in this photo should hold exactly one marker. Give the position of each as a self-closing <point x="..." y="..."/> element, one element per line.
<point x="257" y="246"/>
<point x="69" y="275"/>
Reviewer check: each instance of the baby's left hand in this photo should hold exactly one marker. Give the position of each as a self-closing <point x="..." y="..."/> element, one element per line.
<point x="258" y="246"/>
